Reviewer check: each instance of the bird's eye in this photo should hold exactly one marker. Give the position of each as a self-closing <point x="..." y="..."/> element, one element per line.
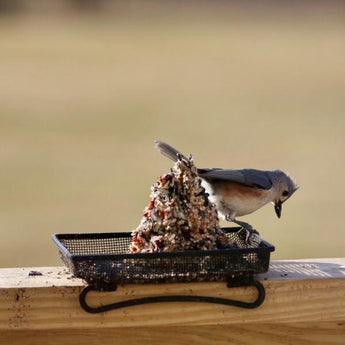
<point x="285" y="193"/>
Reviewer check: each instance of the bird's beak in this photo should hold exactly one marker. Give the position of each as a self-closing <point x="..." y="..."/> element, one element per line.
<point x="278" y="208"/>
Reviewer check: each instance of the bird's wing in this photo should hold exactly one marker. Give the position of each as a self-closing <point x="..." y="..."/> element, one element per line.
<point x="247" y="177"/>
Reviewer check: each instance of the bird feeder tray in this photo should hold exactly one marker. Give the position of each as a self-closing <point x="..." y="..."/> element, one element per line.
<point x="103" y="261"/>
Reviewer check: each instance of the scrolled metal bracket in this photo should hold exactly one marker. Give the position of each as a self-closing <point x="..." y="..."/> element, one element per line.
<point x="177" y="298"/>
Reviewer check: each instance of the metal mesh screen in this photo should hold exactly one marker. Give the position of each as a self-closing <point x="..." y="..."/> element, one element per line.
<point x="97" y="246"/>
<point x="103" y="259"/>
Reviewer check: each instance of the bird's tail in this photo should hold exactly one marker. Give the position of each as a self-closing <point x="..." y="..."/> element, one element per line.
<point x="168" y="151"/>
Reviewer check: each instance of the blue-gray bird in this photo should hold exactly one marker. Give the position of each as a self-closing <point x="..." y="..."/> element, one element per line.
<point x="240" y="192"/>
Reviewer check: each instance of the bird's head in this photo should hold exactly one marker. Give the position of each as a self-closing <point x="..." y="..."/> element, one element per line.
<point x="284" y="186"/>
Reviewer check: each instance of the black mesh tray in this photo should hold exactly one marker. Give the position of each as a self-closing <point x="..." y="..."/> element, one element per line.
<point x="102" y="259"/>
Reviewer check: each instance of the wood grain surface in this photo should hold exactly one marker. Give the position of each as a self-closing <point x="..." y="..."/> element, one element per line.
<point x="305" y="304"/>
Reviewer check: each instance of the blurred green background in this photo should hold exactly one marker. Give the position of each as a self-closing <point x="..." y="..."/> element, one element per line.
<point x="86" y="89"/>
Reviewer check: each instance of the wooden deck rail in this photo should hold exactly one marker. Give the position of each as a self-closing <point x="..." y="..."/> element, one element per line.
<point x="305" y="304"/>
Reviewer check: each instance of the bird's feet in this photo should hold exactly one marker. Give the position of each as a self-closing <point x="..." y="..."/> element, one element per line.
<point x="250" y="230"/>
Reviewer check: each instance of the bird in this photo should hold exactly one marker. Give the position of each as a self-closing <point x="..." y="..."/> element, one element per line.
<point x="237" y="193"/>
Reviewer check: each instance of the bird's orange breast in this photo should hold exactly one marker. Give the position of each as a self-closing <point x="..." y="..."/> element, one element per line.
<point x="235" y="198"/>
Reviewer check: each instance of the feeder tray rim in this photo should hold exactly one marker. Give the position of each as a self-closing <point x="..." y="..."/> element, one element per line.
<point x="57" y="238"/>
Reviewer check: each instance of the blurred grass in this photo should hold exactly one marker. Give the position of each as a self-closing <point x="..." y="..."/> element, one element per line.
<point x="83" y="97"/>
